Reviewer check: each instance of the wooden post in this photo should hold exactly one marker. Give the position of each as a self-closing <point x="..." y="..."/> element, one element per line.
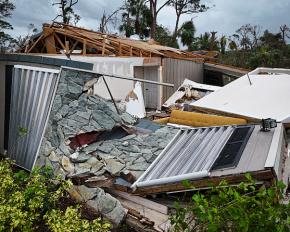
<point x="49" y="40"/>
<point x="67" y="47"/>
<point x="140" y="53"/>
<point x="120" y="49"/>
<point x="130" y="50"/>
<point x="104" y="45"/>
<point x="84" y="47"/>
<point x="149" y="54"/>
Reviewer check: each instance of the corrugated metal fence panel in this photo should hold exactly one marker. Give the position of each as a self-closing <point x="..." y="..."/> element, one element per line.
<point x="32" y="92"/>
<point x="191" y="151"/>
<point x="175" y="71"/>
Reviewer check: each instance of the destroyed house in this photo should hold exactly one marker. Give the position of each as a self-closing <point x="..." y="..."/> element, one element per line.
<point x="118" y="55"/>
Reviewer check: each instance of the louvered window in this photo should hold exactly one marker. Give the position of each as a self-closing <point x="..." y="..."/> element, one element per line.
<point x="232" y="151"/>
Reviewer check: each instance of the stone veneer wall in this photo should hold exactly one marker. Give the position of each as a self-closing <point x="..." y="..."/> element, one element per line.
<point x="74" y="111"/>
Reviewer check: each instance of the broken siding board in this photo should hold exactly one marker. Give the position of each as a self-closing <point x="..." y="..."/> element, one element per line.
<point x="140" y="200"/>
<point x="233" y="179"/>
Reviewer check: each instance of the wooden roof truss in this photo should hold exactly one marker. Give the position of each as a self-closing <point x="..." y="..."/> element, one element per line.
<point x="60" y="38"/>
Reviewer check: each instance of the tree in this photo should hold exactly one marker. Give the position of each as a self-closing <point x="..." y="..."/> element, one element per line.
<point x="105" y="19"/>
<point x="21" y="41"/>
<point x="154" y="10"/>
<point x="283" y="29"/>
<point x="212" y="39"/>
<point x="186" y="33"/>
<point x="140" y="21"/>
<point x="186" y="7"/>
<point x="163" y="35"/>
<point x="203" y="42"/>
<point x="6" y="41"/>
<point x="263" y="56"/>
<point x="67" y="13"/>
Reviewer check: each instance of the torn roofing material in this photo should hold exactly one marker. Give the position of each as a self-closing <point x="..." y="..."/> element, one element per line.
<point x="266" y="97"/>
<point x="189" y="155"/>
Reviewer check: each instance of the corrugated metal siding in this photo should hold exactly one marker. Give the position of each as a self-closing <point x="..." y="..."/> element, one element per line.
<point x="32" y="92"/>
<point x="175" y="71"/>
<point x="191" y="151"/>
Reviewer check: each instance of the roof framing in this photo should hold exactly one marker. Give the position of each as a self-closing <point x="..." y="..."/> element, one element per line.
<point x="60" y="38"/>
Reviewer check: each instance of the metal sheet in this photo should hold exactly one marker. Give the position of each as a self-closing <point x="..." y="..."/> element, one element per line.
<point x="175" y="71"/>
<point x="190" y="151"/>
<point x="32" y="92"/>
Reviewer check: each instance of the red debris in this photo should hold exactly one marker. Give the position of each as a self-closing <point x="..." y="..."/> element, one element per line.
<point x="82" y="139"/>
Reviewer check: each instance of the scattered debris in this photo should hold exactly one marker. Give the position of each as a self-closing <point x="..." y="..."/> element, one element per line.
<point x="187" y="93"/>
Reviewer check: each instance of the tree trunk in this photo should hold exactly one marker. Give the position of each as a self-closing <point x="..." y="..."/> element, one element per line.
<point x="153" y="24"/>
<point x="212" y="39"/>
<point x="176" y="24"/>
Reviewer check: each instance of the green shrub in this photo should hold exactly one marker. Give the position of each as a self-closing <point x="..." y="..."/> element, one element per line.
<point x="226" y="209"/>
<point x="26" y="200"/>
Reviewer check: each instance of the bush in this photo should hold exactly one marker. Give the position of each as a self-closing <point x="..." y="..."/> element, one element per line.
<point x="27" y="200"/>
<point x="226" y="209"/>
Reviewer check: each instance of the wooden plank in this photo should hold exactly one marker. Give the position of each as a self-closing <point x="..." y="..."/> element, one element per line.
<point x="36" y="42"/>
<point x="140" y="200"/>
<point x="262" y="175"/>
<point x="85" y="47"/>
<point x="120" y="49"/>
<point x="73" y="47"/>
<point x="255" y="120"/>
<point x="131" y="51"/>
<point x="67" y="46"/>
<point x="144" y="213"/>
<point x="104" y="46"/>
<point x="58" y="39"/>
<point x="49" y="41"/>
<point x="42" y="49"/>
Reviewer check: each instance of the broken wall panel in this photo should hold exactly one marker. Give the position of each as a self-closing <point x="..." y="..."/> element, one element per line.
<point x="32" y="92"/>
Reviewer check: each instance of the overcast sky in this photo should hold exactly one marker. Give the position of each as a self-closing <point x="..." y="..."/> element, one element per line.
<point x="226" y="17"/>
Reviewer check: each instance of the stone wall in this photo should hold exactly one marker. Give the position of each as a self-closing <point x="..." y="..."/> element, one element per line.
<point x="74" y="112"/>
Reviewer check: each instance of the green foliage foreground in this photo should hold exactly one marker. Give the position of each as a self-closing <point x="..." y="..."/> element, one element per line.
<point x="28" y="200"/>
<point x="233" y="209"/>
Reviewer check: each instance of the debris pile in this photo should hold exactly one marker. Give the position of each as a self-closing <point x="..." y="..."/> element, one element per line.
<point x="187" y="93"/>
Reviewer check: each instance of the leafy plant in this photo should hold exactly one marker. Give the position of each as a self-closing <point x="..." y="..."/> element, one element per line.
<point x="26" y="200"/>
<point x="225" y="208"/>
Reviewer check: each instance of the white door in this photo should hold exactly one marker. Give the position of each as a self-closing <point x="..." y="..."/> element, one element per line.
<point x="150" y="90"/>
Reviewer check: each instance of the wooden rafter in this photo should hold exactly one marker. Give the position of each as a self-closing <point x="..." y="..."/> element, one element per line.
<point x="73" y="47"/>
<point x="36" y="42"/>
<point x="59" y="41"/>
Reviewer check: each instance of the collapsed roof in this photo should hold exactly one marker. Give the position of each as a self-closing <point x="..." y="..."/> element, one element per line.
<point x="261" y="94"/>
<point x="60" y="38"/>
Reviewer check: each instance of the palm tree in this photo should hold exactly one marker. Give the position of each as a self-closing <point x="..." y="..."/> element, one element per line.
<point x="262" y="57"/>
<point x="140" y="24"/>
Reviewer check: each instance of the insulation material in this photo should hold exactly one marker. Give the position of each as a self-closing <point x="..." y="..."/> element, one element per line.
<point x="135" y="102"/>
<point x="187" y="93"/>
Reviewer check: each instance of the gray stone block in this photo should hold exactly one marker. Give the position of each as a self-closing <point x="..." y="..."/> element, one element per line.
<point x="57" y="103"/>
<point x="62" y="89"/>
<point x="103" y="119"/>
